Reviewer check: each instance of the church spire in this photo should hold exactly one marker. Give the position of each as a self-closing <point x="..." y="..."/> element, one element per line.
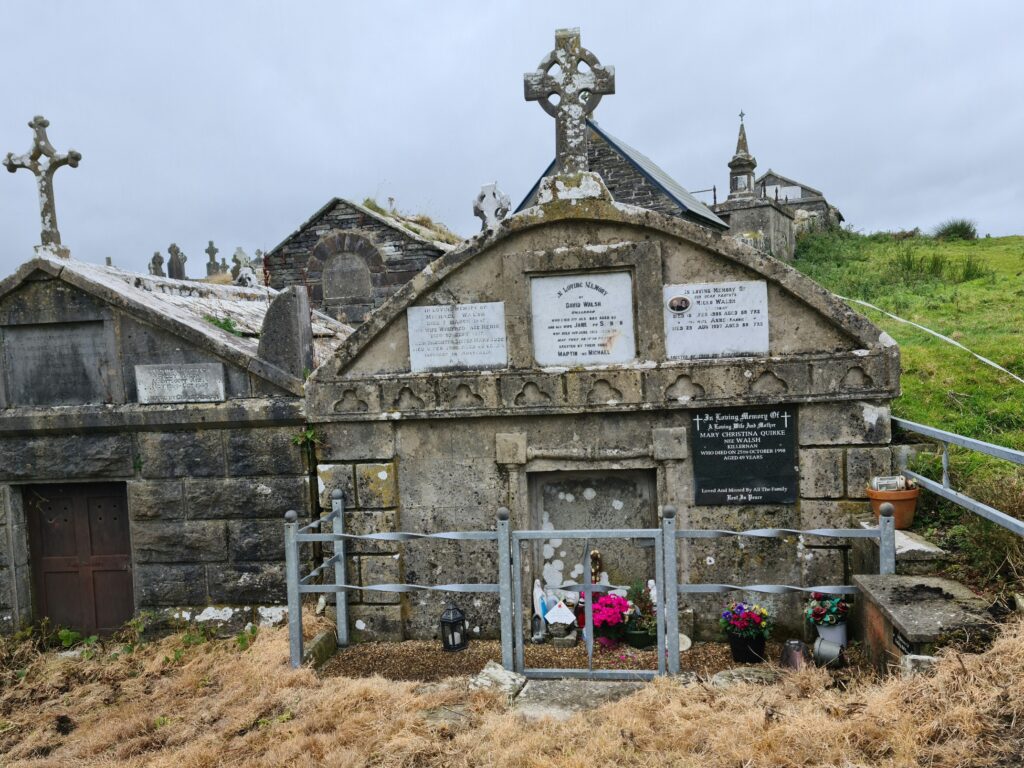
<point x="741" y="167"/>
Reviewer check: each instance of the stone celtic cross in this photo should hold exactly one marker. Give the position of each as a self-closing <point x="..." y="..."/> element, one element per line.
<point x="43" y="160"/>
<point x="579" y="83"/>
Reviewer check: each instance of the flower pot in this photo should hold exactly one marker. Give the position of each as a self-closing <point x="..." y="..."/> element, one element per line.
<point x="834" y="633"/>
<point x="747" y="650"/>
<point x="639" y="638"/>
<point x="904" y="503"/>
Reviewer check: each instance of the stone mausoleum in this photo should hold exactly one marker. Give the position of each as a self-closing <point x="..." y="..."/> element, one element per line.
<point x="146" y="443"/>
<point x="586" y="363"/>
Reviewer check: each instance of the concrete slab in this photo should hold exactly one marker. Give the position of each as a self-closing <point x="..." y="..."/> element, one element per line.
<point x="897" y="616"/>
<point x="561" y="699"/>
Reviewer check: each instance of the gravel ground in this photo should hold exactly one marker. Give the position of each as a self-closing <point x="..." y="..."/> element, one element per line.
<point x="424" y="660"/>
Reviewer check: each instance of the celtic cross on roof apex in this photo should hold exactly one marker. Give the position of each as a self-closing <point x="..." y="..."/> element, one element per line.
<point x="579" y="83"/>
<point x="43" y="161"/>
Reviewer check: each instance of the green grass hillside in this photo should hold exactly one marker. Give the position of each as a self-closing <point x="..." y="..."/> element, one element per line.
<point x="973" y="292"/>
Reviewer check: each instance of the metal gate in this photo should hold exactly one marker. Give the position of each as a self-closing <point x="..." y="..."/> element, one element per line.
<point x="329" y="578"/>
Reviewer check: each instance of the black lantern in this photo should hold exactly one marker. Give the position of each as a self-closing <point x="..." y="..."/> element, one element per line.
<point x="454" y="631"/>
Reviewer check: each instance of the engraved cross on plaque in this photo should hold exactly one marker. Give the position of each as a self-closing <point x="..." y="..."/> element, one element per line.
<point x="579" y="84"/>
<point x="43" y="160"/>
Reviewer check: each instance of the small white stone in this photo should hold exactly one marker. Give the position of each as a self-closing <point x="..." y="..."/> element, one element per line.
<point x="589" y="493"/>
<point x="617" y="505"/>
<point x="360" y="624"/>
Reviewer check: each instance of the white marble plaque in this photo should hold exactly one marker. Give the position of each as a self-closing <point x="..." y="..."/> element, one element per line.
<point x="180" y="383"/>
<point x="583" y="319"/>
<point x="716" y="319"/>
<point x="460" y="336"/>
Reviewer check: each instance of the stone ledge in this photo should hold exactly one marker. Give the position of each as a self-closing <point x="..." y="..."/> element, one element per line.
<point x="915" y="555"/>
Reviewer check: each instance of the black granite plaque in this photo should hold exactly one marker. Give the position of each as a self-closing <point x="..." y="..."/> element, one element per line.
<point x="744" y="456"/>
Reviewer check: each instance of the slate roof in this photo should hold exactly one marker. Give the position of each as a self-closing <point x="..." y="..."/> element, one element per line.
<point x="814" y="192"/>
<point x="184" y="305"/>
<point x="442" y="240"/>
<point x="652" y="172"/>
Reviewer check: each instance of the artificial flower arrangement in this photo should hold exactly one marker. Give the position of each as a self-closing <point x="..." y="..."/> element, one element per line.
<point x="610" y="616"/>
<point x="825" y="610"/>
<point x="745" y="620"/>
<point x="747" y="627"/>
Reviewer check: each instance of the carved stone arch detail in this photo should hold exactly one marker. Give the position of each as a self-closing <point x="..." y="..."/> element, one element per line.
<point x="350" y="260"/>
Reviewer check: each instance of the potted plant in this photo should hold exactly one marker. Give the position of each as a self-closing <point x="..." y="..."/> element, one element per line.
<point x="747" y="626"/>
<point x="828" y="614"/>
<point x="610" y="616"/>
<point x="902" y="495"/>
<point x="642" y="626"/>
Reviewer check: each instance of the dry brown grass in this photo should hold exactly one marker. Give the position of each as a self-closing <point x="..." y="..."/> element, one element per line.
<point x="222" y="706"/>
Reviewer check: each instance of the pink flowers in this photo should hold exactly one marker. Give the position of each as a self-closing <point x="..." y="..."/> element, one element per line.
<point x="610" y="610"/>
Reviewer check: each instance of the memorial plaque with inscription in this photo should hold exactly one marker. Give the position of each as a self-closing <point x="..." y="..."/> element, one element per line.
<point x="744" y="456"/>
<point x="583" y="319"/>
<point x="457" y="336"/>
<point x="716" y="319"/>
<point x="180" y="383"/>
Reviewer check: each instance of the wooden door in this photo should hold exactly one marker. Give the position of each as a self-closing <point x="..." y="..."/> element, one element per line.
<point x="81" y="555"/>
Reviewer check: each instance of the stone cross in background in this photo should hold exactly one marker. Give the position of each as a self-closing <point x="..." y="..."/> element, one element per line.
<point x="176" y="264"/>
<point x="241" y="261"/>
<point x="156" y="265"/>
<point x="491" y="206"/>
<point x="212" y="267"/>
<point x="579" y="90"/>
<point x="43" y="160"/>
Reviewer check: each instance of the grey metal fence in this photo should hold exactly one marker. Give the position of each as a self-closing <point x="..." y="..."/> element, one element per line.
<point x="329" y="578"/>
<point x="944" y="488"/>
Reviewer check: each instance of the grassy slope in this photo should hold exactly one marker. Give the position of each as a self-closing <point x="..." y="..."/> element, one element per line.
<point x="942" y="386"/>
<point x="923" y="280"/>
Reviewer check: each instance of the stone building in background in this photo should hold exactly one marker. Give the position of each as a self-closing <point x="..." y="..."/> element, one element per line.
<point x="809" y="207"/>
<point x="353" y="257"/>
<point x="754" y="218"/>
<point x="147" y="444"/>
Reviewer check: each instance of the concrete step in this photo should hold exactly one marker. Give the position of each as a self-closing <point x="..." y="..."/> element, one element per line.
<point x="915" y="555"/>
<point x="561" y="699"/>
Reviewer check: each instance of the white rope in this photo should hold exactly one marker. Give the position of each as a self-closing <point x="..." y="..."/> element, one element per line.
<point x="937" y="335"/>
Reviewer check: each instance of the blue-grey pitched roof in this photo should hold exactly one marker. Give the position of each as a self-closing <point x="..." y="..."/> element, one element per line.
<point x="652" y="172"/>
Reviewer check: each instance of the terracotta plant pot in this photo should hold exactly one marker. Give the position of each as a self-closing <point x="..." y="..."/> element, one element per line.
<point x="904" y="503"/>
<point x="747" y="650"/>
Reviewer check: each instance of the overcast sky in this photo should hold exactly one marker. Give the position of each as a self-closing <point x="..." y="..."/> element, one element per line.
<point x="235" y="121"/>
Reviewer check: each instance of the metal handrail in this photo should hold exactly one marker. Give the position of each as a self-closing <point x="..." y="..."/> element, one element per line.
<point x="999" y="451"/>
<point x="944" y="489"/>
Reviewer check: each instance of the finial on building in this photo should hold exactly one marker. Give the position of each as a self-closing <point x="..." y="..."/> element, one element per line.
<point x="491" y="206"/>
<point x="578" y="91"/>
<point x="43" y="161"/>
<point x="741" y="167"/>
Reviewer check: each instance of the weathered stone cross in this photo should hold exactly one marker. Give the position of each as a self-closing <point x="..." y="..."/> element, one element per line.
<point x="43" y="160"/>
<point x="578" y="90"/>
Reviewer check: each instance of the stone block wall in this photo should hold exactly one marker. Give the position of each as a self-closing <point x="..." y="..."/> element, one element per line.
<point x="401" y="257"/>
<point x="454" y="474"/>
<point x="205" y="510"/>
